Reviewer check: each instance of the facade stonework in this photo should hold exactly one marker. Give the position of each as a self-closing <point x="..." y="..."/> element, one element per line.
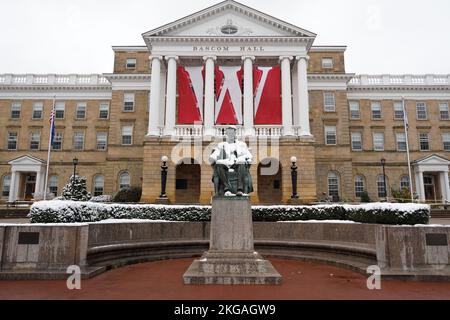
<point x="330" y="119"/>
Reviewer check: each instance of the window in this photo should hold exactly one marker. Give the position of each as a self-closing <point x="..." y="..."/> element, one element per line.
<point x="327" y="63"/>
<point x="53" y="185"/>
<point x="421" y="109"/>
<point x="15" y="110"/>
<point x="333" y="184"/>
<point x="404" y="182"/>
<point x="12" y="140"/>
<point x="381" y="186"/>
<point x="376" y="110"/>
<point x="124" y="180"/>
<point x="424" y="142"/>
<point x="57" y="141"/>
<point x="329" y="102"/>
<point x="60" y="108"/>
<point x="38" y="108"/>
<point x="356" y="141"/>
<point x="446" y="141"/>
<point x="330" y="135"/>
<point x="443" y="110"/>
<point x="355" y="112"/>
<point x="78" y="140"/>
<point x="359" y="186"/>
<point x="35" y="140"/>
<point x="6" y="184"/>
<point x="398" y="111"/>
<point x="99" y="185"/>
<point x="131" y="63"/>
<point x="81" y="110"/>
<point x="128" y="102"/>
<point x="378" y="141"/>
<point x="103" y="111"/>
<point x="102" y="139"/>
<point x="401" y="141"/>
<point x="127" y="135"/>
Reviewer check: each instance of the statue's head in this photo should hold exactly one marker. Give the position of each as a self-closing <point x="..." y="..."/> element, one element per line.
<point x="231" y="134"/>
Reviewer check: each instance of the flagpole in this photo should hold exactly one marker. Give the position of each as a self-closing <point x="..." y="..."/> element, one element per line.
<point x="406" y="125"/>
<point x="49" y="150"/>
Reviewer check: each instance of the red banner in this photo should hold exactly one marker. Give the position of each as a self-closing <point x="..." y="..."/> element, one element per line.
<point x="190" y="95"/>
<point x="228" y="89"/>
<point x="267" y="86"/>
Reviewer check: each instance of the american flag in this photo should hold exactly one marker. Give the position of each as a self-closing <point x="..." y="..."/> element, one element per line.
<point x="52" y="125"/>
<point x="405" y="115"/>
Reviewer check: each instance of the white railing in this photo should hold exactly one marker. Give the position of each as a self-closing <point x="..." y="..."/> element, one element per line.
<point x="188" y="131"/>
<point x="389" y="80"/>
<point x="269" y="131"/>
<point x="220" y="131"/>
<point x="52" y="79"/>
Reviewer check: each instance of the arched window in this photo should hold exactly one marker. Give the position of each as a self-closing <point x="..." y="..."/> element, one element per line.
<point x="382" y="186"/>
<point x="6" y="184"/>
<point x="53" y="185"/>
<point x="359" y="186"/>
<point x="404" y="182"/>
<point x="124" y="180"/>
<point x="333" y="184"/>
<point x="99" y="185"/>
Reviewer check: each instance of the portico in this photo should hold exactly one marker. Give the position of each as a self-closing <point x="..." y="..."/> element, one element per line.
<point x="27" y="178"/>
<point x="431" y="176"/>
<point x="221" y="49"/>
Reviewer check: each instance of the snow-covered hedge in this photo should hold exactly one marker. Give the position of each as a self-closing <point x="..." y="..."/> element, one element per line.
<point x="381" y="213"/>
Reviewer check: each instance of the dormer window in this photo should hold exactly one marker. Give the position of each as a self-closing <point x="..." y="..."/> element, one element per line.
<point x="327" y="63"/>
<point x="131" y="63"/>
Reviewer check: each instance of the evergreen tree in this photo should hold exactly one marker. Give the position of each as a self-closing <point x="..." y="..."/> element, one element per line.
<point x="76" y="189"/>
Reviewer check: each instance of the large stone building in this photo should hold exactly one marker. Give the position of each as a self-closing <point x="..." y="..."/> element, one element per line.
<point x="227" y="64"/>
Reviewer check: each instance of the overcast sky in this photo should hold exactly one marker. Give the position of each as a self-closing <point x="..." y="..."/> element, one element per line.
<point x="75" y="36"/>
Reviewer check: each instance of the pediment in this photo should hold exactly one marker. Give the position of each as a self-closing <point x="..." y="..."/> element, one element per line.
<point x="26" y="160"/>
<point x="432" y="160"/>
<point x="229" y="19"/>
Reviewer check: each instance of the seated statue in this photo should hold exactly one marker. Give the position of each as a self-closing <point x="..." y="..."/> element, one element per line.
<point x="231" y="161"/>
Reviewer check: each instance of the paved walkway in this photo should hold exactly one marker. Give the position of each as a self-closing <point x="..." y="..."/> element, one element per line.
<point x="163" y="280"/>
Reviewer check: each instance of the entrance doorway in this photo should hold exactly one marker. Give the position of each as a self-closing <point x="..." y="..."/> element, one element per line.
<point x="430" y="187"/>
<point x="269" y="181"/>
<point x="30" y="186"/>
<point x="187" y="184"/>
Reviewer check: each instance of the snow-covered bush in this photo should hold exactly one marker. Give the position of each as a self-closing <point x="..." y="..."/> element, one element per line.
<point x="128" y="195"/>
<point x="101" y="199"/>
<point x="379" y="213"/>
<point x="76" y="189"/>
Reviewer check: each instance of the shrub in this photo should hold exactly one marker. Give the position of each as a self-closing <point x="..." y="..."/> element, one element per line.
<point x="365" y="197"/>
<point x="76" y="189"/>
<point x="101" y="199"/>
<point x="379" y="213"/>
<point x="403" y="195"/>
<point x="128" y="195"/>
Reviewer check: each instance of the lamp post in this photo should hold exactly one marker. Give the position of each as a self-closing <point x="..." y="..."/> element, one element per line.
<point x="294" y="178"/>
<point x="164" y="168"/>
<point x="383" y="164"/>
<point x="75" y="163"/>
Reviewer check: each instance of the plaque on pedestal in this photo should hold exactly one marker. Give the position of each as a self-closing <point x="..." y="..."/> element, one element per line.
<point x="231" y="258"/>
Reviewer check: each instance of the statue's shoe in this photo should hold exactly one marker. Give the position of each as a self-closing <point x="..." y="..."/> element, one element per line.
<point x="239" y="194"/>
<point x="229" y="194"/>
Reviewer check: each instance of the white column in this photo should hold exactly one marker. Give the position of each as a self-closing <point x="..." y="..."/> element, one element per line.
<point x="209" y="96"/>
<point x="248" y="96"/>
<point x="155" y="99"/>
<point x="303" y="96"/>
<point x="420" y="187"/>
<point x="39" y="187"/>
<point x="13" y="187"/>
<point x="171" y="95"/>
<point x="444" y="185"/>
<point x="286" y="94"/>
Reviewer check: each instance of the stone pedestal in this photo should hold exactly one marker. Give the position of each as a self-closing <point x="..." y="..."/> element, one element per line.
<point x="231" y="258"/>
